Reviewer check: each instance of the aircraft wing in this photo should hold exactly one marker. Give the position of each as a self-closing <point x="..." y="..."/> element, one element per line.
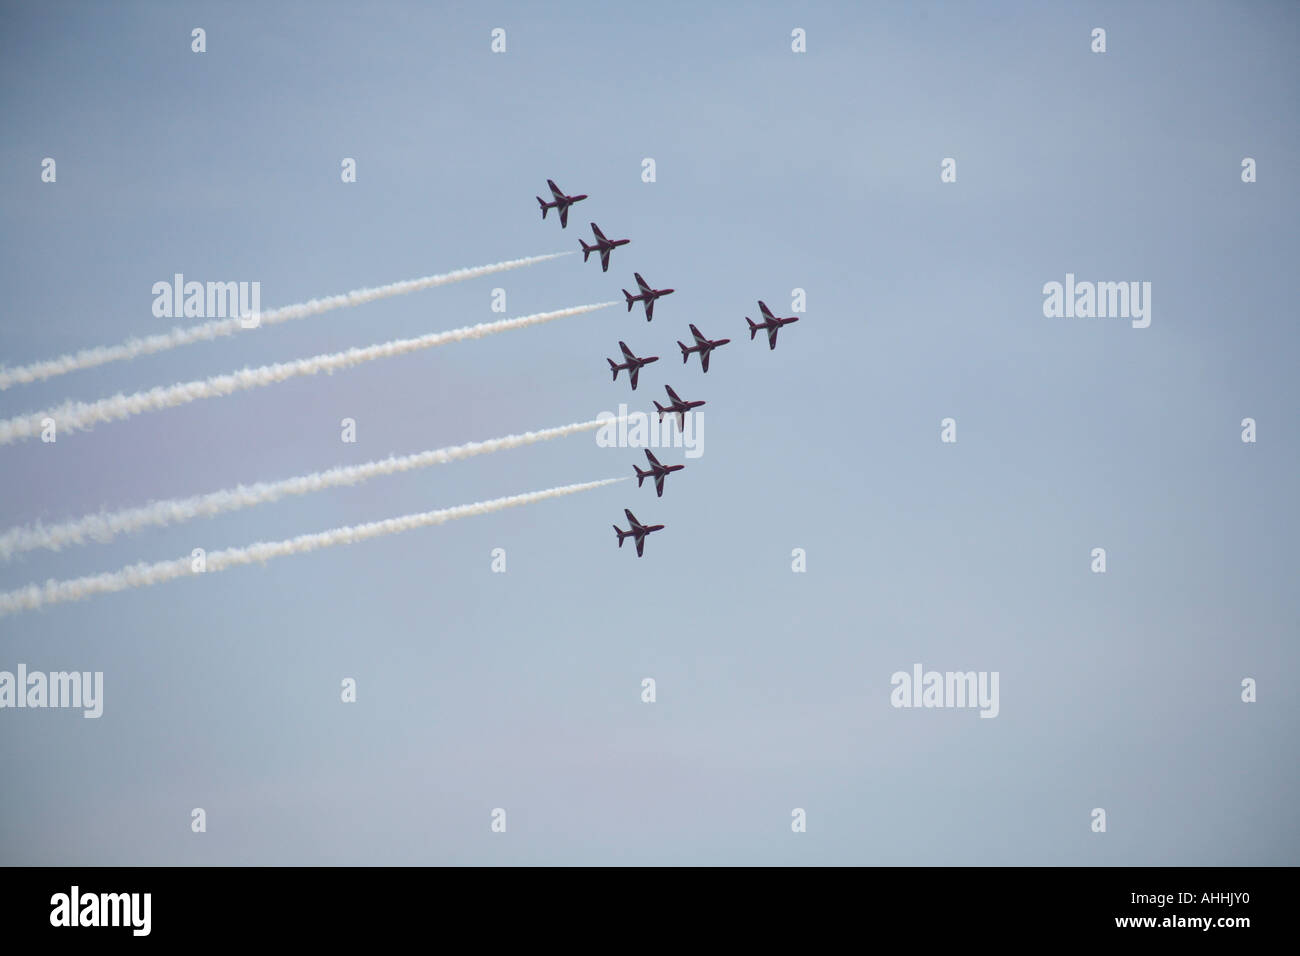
<point x="564" y="215"/>
<point x="627" y="352"/>
<point x="599" y="235"/>
<point x="649" y="309"/>
<point x="699" y="338"/>
<point x="641" y="282"/>
<point x="771" y="335"/>
<point x="631" y="518"/>
<point x="767" y="313"/>
<point x="704" y="360"/>
<point x="555" y="190"/>
<point x="640" y="545"/>
<point x="634" y="373"/>
<point x="650" y="455"/>
<point x="604" y="258"/>
<point x="672" y="394"/>
<point x="659" y="484"/>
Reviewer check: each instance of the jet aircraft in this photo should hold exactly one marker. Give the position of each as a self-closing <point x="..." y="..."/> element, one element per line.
<point x="657" y="471"/>
<point x="648" y="296"/>
<point x="637" y="531"/>
<point x="677" y="406"/>
<point x="771" y="323"/>
<point x="562" y="203"/>
<point x="702" y="345"/>
<point x="603" y="246"/>
<point x="633" y="364"/>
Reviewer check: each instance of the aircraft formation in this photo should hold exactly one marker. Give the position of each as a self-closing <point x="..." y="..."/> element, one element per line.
<point x="632" y="364"/>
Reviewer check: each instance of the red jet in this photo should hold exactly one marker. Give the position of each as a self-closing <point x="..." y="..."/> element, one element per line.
<point x="648" y="296"/>
<point x="678" y="407"/>
<point x="633" y="364"/>
<point x="771" y="323"/>
<point x="562" y="203"/>
<point x="702" y="345"/>
<point x="603" y="246"/>
<point x="638" y="531"/>
<point x="657" y="470"/>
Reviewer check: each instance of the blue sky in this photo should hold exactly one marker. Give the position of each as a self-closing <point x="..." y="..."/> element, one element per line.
<point x="775" y="171"/>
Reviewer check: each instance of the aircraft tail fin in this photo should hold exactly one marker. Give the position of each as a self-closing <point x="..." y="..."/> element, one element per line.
<point x="686" y="353"/>
<point x="541" y="202"/>
<point x="613" y="368"/>
<point x="753" y="329"/>
<point x="586" y="250"/>
<point x="621" y="534"/>
<point x="628" y="295"/>
<point x="641" y="475"/>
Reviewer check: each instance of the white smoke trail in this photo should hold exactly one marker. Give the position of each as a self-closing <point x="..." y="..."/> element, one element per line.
<point x="134" y="348"/>
<point x="107" y="525"/>
<point x="77" y="416"/>
<point x="141" y="575"/>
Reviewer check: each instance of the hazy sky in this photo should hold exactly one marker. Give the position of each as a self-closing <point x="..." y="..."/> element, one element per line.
<point x="775" y="170"/>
